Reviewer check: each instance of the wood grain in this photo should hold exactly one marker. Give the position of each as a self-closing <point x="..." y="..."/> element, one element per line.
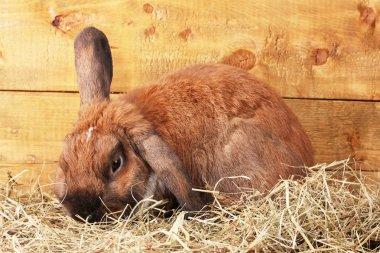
<point x="33" y="125"/>
<point x="27" y="174"/>
<point x="305" y="49"/>
<point x="339" y="129"/>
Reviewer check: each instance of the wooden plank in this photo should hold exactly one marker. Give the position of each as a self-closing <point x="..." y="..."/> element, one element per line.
<point x="307" y="49"/>
<point x="339" y="129"/>
<point x="33" y="125"/>
<point x="27" y="174"/>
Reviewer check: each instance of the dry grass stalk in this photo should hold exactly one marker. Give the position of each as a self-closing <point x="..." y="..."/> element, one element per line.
<point x="333" y="210"/>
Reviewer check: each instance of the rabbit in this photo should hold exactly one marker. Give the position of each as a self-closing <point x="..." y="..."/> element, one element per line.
<point x="189" y="129"/>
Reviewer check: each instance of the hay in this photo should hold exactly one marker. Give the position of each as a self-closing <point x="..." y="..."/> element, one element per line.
<point x="332" y="211"/>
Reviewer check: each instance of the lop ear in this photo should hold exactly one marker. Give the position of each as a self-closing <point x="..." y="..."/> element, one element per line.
<point x="93" y="64"/>
<point x="169" y="170"/>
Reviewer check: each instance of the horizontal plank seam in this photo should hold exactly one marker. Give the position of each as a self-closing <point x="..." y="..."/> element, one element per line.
<point x="122" y="92"/>
<point x="53" y="91"/>
<point x="334" y="99"/>
<point x="9" y="164"/>
<point x="38" y="91"/>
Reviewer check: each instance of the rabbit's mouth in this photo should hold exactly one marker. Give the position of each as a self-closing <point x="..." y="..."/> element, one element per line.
<point x="91" y="218"/>
<point x="99" y="215"/>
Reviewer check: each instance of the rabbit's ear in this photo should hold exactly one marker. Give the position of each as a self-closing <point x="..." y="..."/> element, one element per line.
<point x="165" y="163"/>
<point x="93" y="64"/>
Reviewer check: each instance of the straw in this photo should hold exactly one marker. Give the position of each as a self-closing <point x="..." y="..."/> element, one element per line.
<point x="334" y="209"/>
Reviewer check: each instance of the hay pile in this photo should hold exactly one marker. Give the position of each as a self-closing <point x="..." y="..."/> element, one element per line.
<point x="333" y="210"/>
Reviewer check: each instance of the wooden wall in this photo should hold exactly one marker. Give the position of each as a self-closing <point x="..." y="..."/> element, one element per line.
<point x="322" y="56"/>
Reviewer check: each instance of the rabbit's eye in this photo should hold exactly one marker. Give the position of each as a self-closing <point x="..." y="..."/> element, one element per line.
<point x="116" y="164"/>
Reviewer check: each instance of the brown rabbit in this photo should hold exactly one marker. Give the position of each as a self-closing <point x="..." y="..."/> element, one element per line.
<point x="189" y="129"/>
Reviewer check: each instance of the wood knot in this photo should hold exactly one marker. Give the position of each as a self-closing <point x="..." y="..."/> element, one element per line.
<point x="57" y="20"/>
<point x="367" y="16"/>
<point x="148" y="8"/>
<point x="354" y="144"/>
<point x="185" y="34"/>
<point x="319" y="56"/>
<point x="241" y="58"/>
<point x="68" y="21"/>
<point x="353" y="139"/>
<point x="150" y="31"/>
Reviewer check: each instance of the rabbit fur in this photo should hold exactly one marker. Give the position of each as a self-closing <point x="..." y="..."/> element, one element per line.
<point x="189" y="129"/>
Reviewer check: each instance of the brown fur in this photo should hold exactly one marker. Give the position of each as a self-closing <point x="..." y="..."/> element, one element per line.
<point x="190" y="128"/>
